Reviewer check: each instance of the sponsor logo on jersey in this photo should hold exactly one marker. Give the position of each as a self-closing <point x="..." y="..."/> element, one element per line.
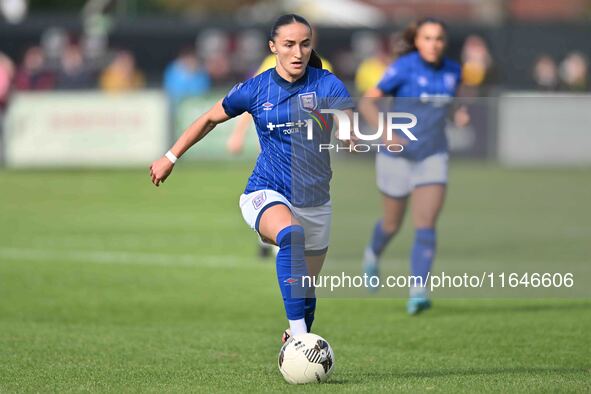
<point x="267" y="106"/>
<point x="449" y="80"/>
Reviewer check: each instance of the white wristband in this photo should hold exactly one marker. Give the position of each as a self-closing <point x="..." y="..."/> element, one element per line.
<point x="170" y="156"/>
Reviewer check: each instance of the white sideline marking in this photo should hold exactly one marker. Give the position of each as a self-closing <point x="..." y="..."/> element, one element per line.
<point x="122" y="257"/>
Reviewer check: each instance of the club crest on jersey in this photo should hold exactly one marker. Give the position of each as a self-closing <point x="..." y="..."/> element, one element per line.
<point x="267" y="106"/>
<point x="308" y="101"/>
<point x="449" y="80"/>
<point x="259" y="200"/>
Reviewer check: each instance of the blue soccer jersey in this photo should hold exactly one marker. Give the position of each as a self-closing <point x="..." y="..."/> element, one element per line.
<point x="290" y="161"/>
<point x="426" y="91"/>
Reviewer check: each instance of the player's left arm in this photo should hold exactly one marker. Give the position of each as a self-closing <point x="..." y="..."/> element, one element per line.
<point x="459" y="110"/>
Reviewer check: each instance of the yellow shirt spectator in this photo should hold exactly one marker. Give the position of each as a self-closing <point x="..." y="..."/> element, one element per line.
<point x="369" y="73"/>
<point x="121" y="74"/>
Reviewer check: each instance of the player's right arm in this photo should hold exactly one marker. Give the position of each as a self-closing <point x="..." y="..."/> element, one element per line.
<point x="161" y="168"/>
<point x="236" y="102"/>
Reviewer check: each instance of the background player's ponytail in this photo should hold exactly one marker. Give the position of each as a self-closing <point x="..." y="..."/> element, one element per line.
<point x="410" y="33"/>
<point x="288" y="19"/>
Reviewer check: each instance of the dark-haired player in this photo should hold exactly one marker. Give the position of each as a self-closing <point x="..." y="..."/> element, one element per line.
<point x="286" y="200"/>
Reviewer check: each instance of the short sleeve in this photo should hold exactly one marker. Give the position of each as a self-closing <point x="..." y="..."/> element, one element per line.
<point x="338" y="95"/>
<point x="392" y="79"/>
<point x="237" y="100"/>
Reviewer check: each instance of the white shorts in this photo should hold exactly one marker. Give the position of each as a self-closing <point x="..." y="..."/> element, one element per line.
<point x="315" y="220"/>
<point x="397" y="177"/>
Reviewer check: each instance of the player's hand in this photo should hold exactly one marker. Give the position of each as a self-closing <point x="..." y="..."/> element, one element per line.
<point x="462" y="117"/>
<point x="235" y="144"/>
<point x="160" y="170"/>
<point x="350" y="143"/>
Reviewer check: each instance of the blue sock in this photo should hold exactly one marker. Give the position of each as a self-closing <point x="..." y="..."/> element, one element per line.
<point x="291" y="267"/>
<point x="310" y="308"/>
<point x="379" y="239"/>
<point x="423" y="252"/>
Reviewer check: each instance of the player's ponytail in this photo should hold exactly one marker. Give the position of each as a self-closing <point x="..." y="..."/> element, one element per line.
<point x="315" y="60"/>
<point x="288" y="19"/>
<point x="410" y="33"/>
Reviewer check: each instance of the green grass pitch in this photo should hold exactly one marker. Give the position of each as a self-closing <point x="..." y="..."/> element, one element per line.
<point x="108" y="284"/>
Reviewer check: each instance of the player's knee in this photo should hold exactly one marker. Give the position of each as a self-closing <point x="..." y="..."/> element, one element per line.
<point x="291" y="236"/>
<point x="424" y="220"/>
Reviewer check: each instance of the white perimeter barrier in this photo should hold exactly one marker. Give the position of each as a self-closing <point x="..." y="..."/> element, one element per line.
<point x="544" y="129"/>
<point x="85" y="129"/>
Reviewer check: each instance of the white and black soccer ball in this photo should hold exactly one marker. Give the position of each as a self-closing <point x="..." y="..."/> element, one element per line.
<point x="306" y="358"/>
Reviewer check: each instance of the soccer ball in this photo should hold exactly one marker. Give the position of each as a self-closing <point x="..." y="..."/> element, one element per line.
<point x="306" y="358"/>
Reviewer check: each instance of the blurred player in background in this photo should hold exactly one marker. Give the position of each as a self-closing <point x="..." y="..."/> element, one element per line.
<point x="235" y="142"/>
<point x="422" y="82"/>
<point x="287" y="200"/>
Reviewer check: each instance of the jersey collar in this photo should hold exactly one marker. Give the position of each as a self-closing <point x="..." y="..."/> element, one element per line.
<point x="432" y="66"/>
<point x="289" y="86"/>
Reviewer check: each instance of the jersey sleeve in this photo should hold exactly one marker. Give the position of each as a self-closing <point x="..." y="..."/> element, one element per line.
<point x="237" y="100"/>
<point x="393" y="78"/>
<point x="338" y="95"/>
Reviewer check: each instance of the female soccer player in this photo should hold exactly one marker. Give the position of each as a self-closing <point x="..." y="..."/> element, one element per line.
<point x="423" y="82"/>
<point x="236" y="140"/>
<point x="287" y="197"/>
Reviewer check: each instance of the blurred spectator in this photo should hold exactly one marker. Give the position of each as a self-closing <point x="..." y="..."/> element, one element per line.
<point x="545" y="73"/>
<point x="476" y="62"/>
<point x="250" y="48"/>
<point x="370" y="57"/>
<point x="54" y="41"/>
<point x="6" y="76"/>
<point x="33" y="74"/>
<point x="121" y="74"/>
<point x="214" y="46"/>
<point x="573" y="72"/>
<point x="218" y="67"/>
<point x="370" y="71"/>
<point x="185" y="77"/>
<point x="73" y="73"/>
